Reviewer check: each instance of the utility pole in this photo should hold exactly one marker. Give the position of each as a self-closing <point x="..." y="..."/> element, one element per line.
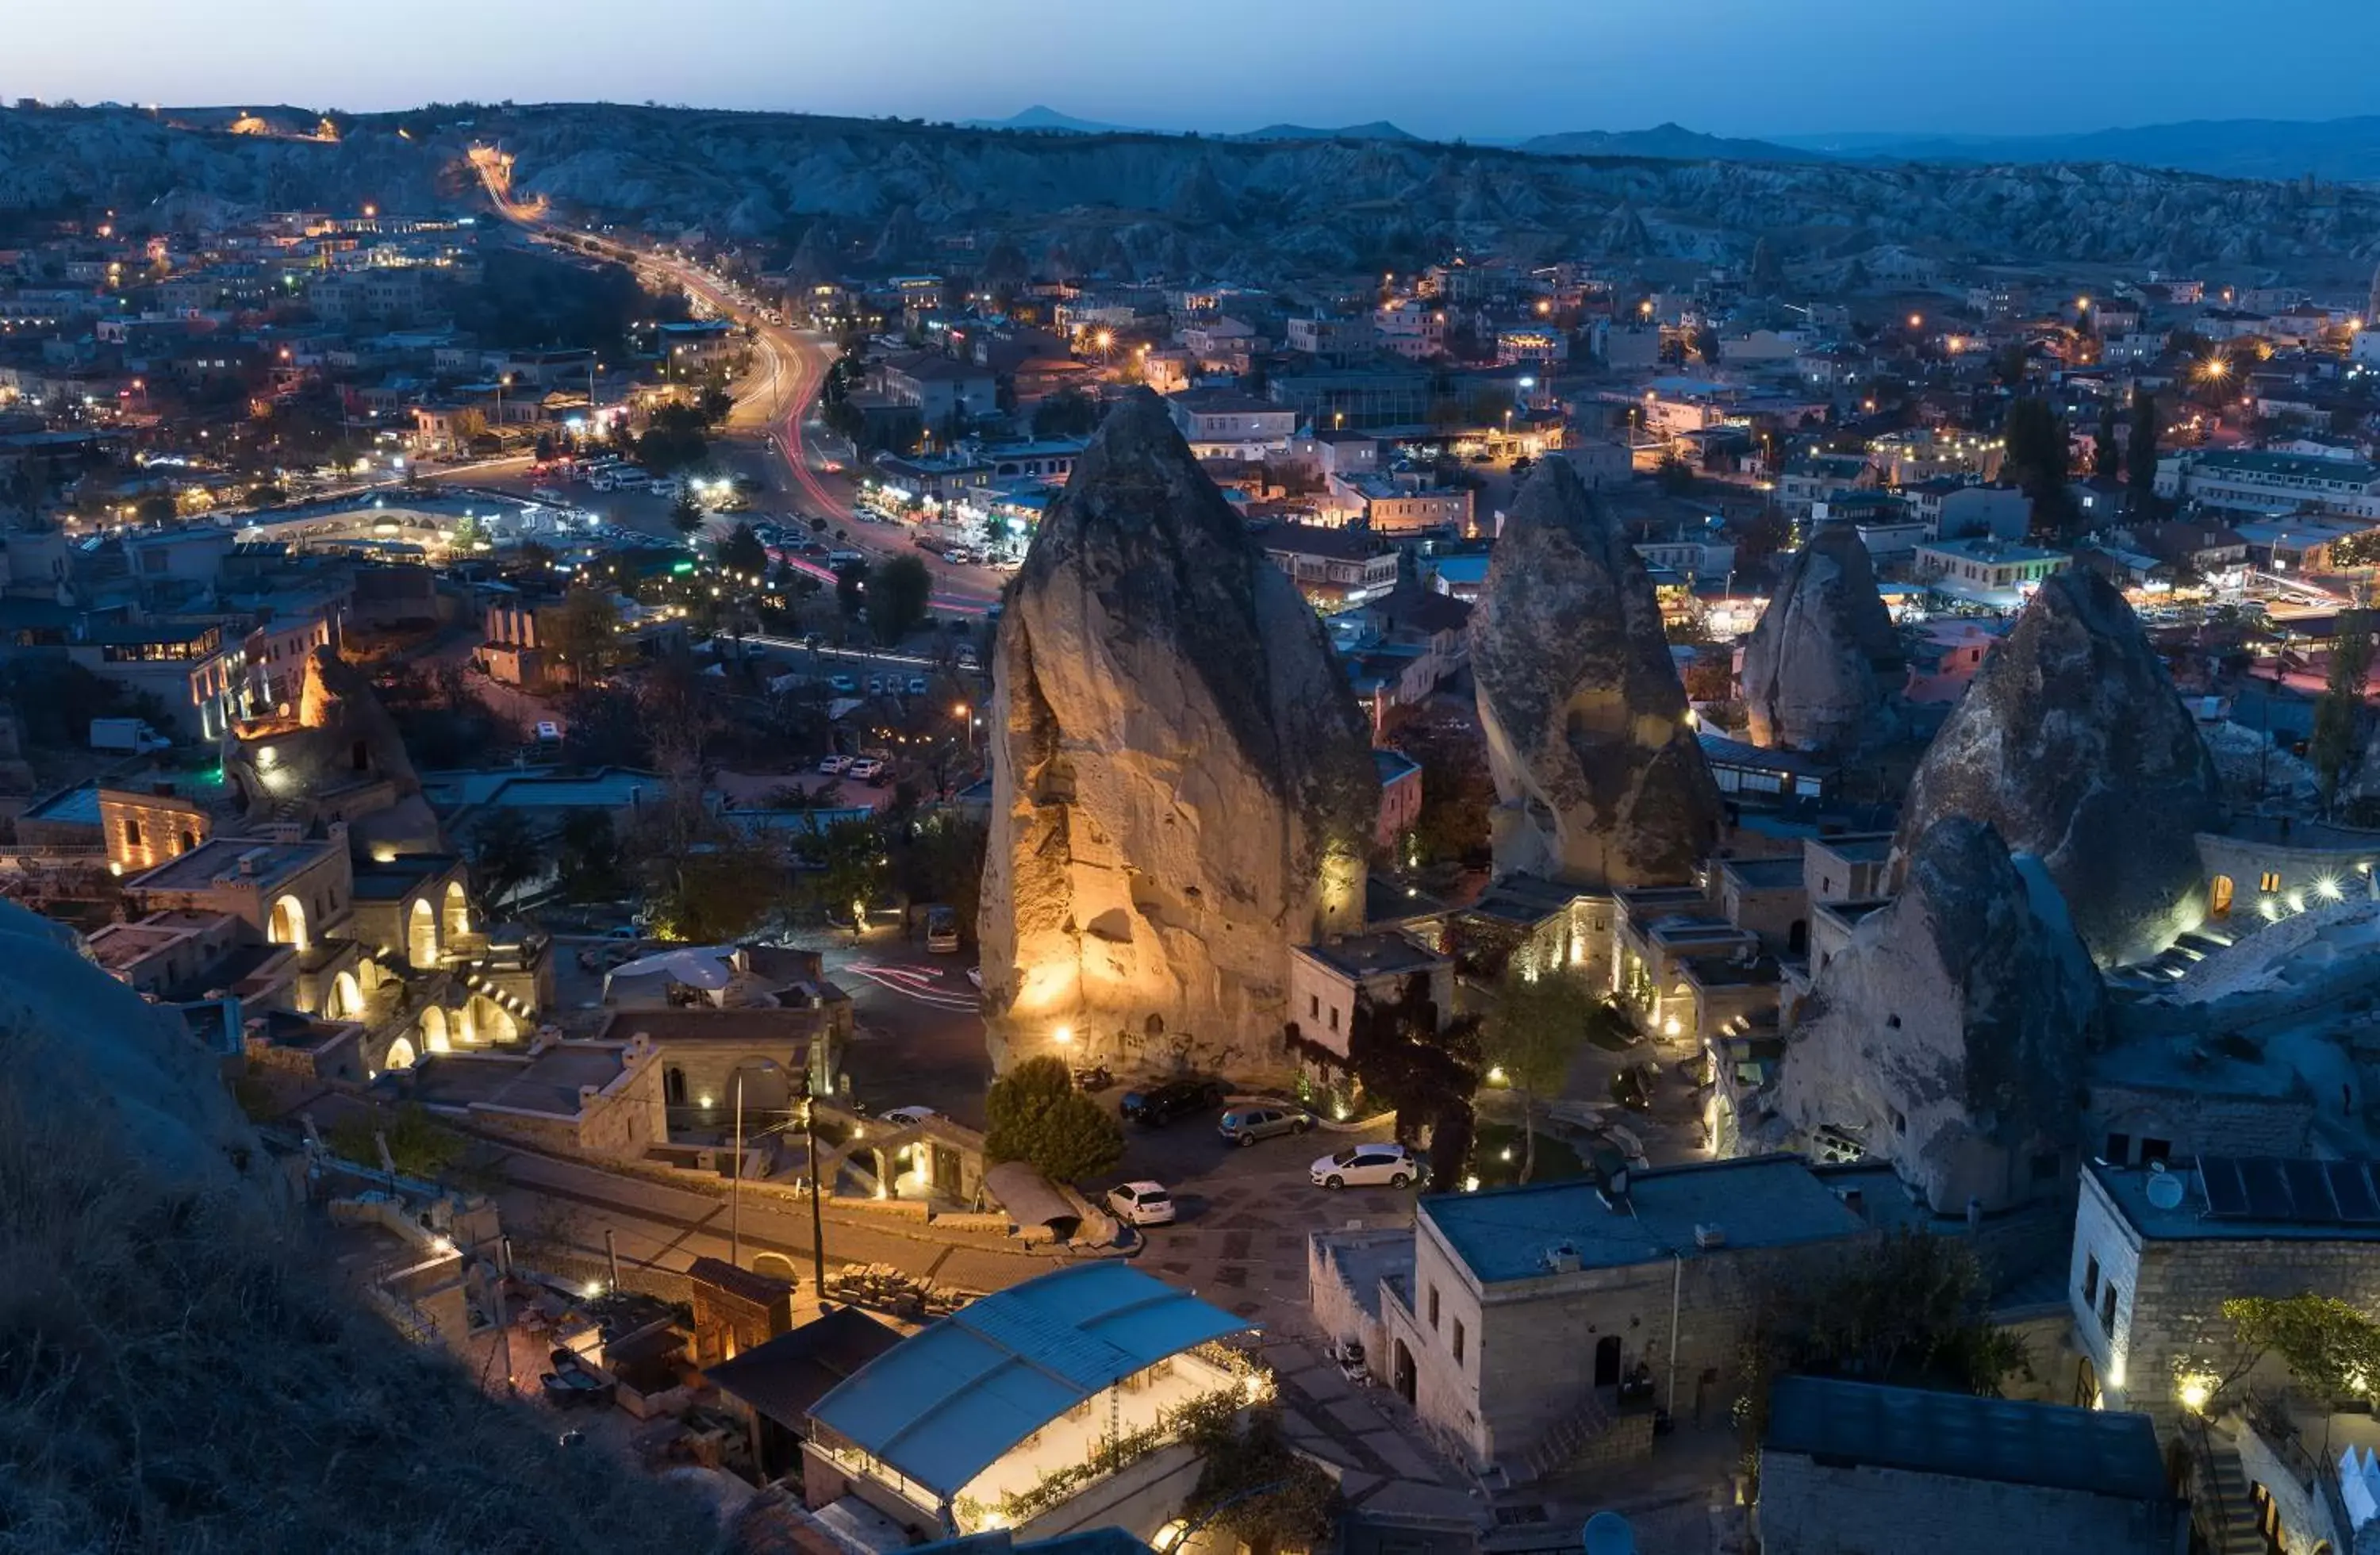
<point x="818" y="1214"/>
<point x="736" y="1185"/>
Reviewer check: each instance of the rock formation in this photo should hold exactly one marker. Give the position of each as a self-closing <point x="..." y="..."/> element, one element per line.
<point x="1600" y="779"/>
<point x="1949" y="1035"/>
<point x="2073" y="743"/>
<point x="337" y="756"/>
<point x="1822" y="669"/>
<point x="1183" y="785"/>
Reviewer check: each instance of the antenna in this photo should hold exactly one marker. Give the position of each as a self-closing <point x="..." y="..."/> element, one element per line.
<point x="2163" y="1188"/>
<point x="1608" y="1533"/>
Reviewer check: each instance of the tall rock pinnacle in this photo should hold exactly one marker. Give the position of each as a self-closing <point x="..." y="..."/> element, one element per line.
<point x="1183" y="785"/>
<point x="2072" y="742"/>
<point x="1601" y="780"/>
<point x="1822" y="667"/>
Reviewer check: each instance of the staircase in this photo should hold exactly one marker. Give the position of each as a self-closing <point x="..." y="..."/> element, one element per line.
<point x="2225" y="1510"/>
<point x="1569" y="1435"/>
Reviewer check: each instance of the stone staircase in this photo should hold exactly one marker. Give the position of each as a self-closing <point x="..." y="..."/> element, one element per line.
<point x="2225" y="1512"/>
<point x="1569" y="1437"/>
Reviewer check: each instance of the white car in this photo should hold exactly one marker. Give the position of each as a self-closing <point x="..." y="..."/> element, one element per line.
<point x="1365" y="1166"/>
<point x="866" y="770"/>
<point x="834" y="766"/>
<point x="1141" y="1203"/>
<point x="907" y="1117"/>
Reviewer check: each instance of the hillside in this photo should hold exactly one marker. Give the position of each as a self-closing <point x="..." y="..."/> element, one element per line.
<point x="175" y="1373"/>
<point x="1253" y="209"/>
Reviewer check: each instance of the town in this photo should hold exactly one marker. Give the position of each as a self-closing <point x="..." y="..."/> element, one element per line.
<point x="957" y="877"/>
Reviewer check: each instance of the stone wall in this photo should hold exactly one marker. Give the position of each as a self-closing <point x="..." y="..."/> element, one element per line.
<point x="1808" y="1507"/>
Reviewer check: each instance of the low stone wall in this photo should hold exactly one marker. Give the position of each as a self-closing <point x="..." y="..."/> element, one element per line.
<point x="1628" y="1439"/>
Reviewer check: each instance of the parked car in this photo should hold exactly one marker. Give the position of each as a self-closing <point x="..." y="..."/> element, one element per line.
<point x="907" y="1117"/>
<point x="941" y="931"/>
<point x="917" y="685"/>
<point x="834" y="766"/>
<point x="866" y="770"/>
<point x="842" y="686"/>
<point x="1142" y="1204"/>
<point x="876" y="686"/>
<point x="1365" y="1166"/>
<point x="1175" y="1098"/>
<point x="549" y="494"/>
<point x="1246" y="1125"/>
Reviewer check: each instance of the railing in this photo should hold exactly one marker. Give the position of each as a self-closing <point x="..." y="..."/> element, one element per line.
<point x="2205" y="1458"/>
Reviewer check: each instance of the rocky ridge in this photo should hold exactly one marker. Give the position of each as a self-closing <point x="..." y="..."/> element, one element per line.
<point x="1600" y="777"/>
<point x="1182" y="784"/>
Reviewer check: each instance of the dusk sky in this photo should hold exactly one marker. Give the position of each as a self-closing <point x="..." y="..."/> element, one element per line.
<point x="1529" y="66"/>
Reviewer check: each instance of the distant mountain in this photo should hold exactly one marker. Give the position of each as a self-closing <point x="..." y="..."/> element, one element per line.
<point x="1048" y="120"/>
<point x="1670" y="141"/>
<point x="1378" y="129"/>
<point x="2332" y="150"/>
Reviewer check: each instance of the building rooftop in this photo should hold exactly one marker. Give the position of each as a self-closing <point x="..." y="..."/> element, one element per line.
<point x="2260" y="1198"/>
<point x="220" y="859"/>
<point x="1763" y="874"/>
<point x="547" y="1081"/>
<point x="1856" y="847"/>
<point x="1322" y="539"/>
<point x="951" y="1401"/>
<point x="392" y="881"/>
<point x="72" y="807"/>
<point x="1364" y="956"/>
<point x="1223" y="401"/>
<point x="1392" y="764"/>
<point x="1983" y="549"/>
<point x="1504" y="1234"/>
<point x="1961" y="1435"/>
<point x="785" y="1379"/>
<point x="2287" y="467"/>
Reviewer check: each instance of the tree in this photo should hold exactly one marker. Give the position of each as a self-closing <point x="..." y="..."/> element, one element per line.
<point x="685" y="514"/>
<point x="583" y="631"/>
<point x="156" y="508"/>
<point x="851" y="589"/>
<point x="1676" y="475"/>
<point x="417" y="1143"/>
<point x="2141" y="456"/>
<point x="2107" y="459"/>
<point x="507" y="852"/>
<point x="587" y="859"/>
<point x="2338" y="715"/>
<point x="897" y="596"/>
<point x="1067" y="413"/>
<point x="1036" y="1115"/>
<point x="1254" y="1487"/>
<point x="741" y="550"/>
<point x="1533" y="1031"/>
<point x="2331" y="1348"/>
<point x="2035" y="461"/>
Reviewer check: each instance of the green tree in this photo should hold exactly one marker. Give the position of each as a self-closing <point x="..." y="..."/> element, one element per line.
<point x="1036" y="1115"/>
<point x="583" y="633"/>
<point x="898" y="592"/>
<point x="2330" y="1347"/>
<point x="2035" y="462"/>
<point x="1675" y="475"/>
<point x="1067" y="413"/>
<point x="685" y="514"/>
<point x="851" y="589"/>
<point x="2338" y="715"/>
<point x="2107" y="459"/>
<point x="1533" y="1031"/>
<point x="2141" y="456"/>
<point x="588" y="858"/>
<point x="1254" y="1487"/>
<point x="743" y="552"/>
<point x="421" y="1146"/>
<point x="507" y="852"/>
<point x="850" y="868"/>
<point x="156" y="508"/>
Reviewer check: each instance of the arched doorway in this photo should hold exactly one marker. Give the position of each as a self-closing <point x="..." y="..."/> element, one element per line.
<point x="422" y="934"/>
<point x="1797" y="938"/>
<point x="485" y="1021"/>
<point x="458" y="910"/>
<point x="1401" y="1372"/>
<point x="433" y="1030"/>
<point x="1606" y="1361"/>
<point x="674" y="1087"/>
<point x="288" y="925"/>
<point x="346" y="997"/>
<point x="400" y="1054"/>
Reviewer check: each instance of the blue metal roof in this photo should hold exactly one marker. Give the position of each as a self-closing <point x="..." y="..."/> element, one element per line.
<point x="1961" y="1437"/>
<point x="948" y="1403"/>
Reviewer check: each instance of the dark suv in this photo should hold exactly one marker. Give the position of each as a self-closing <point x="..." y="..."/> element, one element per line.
<point x="1175" y="1098"/>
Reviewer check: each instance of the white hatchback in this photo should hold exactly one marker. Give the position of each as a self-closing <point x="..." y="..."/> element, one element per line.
<point x="1142" y="1204"/>
<point x="1365" y="1166"/>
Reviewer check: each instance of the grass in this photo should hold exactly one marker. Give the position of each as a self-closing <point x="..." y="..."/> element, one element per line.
<point x="1555" y="1158"/>
<point x="176" y="1375"/>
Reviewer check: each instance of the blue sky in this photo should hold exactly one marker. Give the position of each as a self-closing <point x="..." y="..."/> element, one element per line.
<point x="1728" y="66"/>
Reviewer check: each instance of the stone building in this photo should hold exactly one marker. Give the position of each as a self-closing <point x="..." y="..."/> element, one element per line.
<point x="2158" y="1250"/>
<point x="1532" y="1325"/>
<point x="1853" y="1468"/>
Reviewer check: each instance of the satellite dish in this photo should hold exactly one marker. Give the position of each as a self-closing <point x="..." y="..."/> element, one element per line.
<point x="1608" y="1533"/>
<point x="2164" y="1190"/>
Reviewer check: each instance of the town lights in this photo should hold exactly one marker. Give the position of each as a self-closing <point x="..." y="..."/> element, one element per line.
<point x="1064" y="1036"/>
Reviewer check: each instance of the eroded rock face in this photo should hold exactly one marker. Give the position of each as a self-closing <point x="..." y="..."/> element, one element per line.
<point x="336" y="755"/>
<point x="1824" y="667"/>
<point x="1600" y="779"/>
<point x="2073" y="743"/>
<point x="1183" y="785"/>
<point x="1949" y="1035"/>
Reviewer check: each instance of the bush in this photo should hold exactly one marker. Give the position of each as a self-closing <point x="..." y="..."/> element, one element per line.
<point x="1037" y="1116"/>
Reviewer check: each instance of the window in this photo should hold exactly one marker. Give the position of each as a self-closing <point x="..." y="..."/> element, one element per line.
<point x="2108" y="1310"/>
<point x="131" y="830"/>
<point x="2268" y="882"/>
<point x="2090" y="1278"/>
<point x="2044" y="1168"/>
<point x="1314" y="1005"/>
<point x="1334" y="1017"/>
<point x="1433" y="1308"/>
<point x="2119" y="1149"/>
<point x="1458" y="1339"/>
<point x="2155" y="1150"/>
